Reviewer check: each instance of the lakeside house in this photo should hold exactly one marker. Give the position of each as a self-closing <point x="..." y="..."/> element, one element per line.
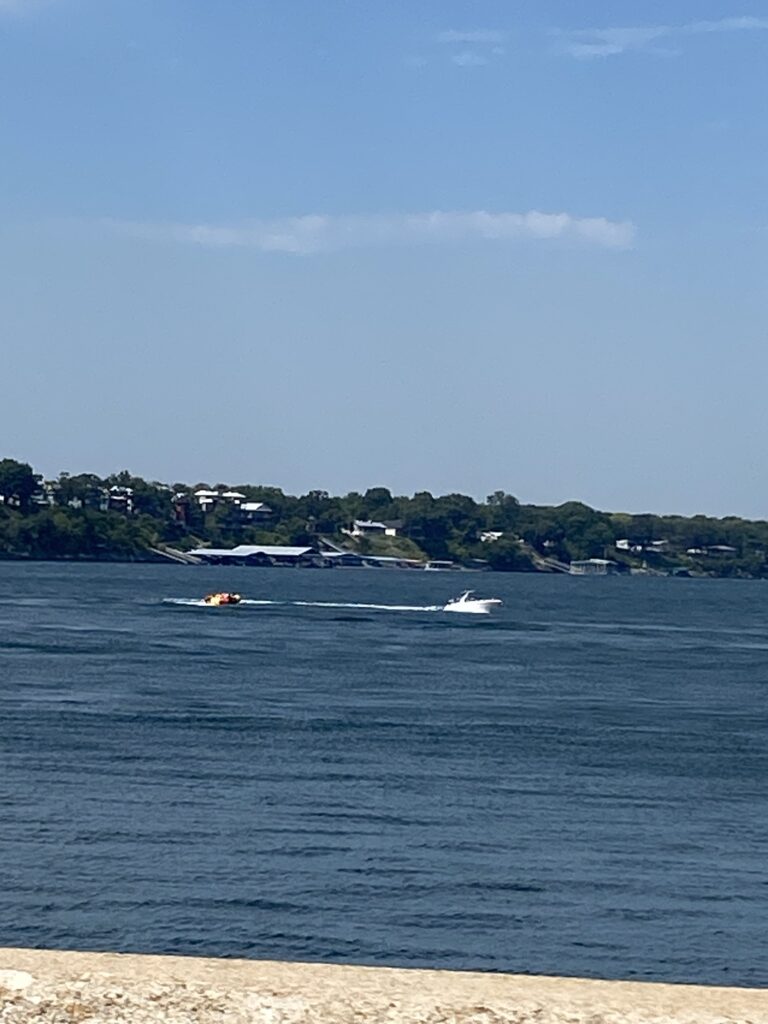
<point x="207" y="500"/>
<point x="117" y="499"/>
<point x="105" y="499"/>
<point x="712" y="549"/>
<point x="373" y="528"/>
<point x="657" y="547"/>
<point x="46" y="496"/>
<point x="255" y="511"/>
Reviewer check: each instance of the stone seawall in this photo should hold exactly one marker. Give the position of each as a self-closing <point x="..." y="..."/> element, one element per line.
<point x="47" y="987"/>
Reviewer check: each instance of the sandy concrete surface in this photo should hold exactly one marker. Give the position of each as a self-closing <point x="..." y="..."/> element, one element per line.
<point x="49" y="987"/>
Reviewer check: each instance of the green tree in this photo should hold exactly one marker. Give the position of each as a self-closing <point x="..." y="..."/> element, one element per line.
<point x="505" y="556"/>
<point x="18" y="482"/>
<point x="377" y="502"/>
<point x="503" y="512"/>
<point x="83" y="488"/>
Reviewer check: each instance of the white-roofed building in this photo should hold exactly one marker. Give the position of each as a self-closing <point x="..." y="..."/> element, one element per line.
<point x="373" y="528"/>
<point x="206" y="499"/>
<point x="254" y="511"/>
<point x="593" y="567"/>
<point x="258" y="554"/>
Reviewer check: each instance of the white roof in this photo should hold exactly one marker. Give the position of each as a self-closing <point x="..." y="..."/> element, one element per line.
<point x="278" y="550"/>
<point x="370" y="525"/>
<point x="207" y="494"/>
<point x="248" y="550"/>
<point x="232" y="494"/>
<point x="391" y="559"/>
<point x="254" y="506"/>
<point x="212" y="552"/>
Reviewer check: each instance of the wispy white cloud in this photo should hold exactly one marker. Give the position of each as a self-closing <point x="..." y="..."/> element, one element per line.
<point x="314" y="233"/>
<point x="727" y="25"/>
<point x="472" y="48"/>
<point x="472" y="36"/>
<point x="589" y="43"/>
<point x="469" y="59"/>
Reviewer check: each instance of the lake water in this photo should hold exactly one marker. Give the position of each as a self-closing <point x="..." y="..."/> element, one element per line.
<point x="575" y="785"/>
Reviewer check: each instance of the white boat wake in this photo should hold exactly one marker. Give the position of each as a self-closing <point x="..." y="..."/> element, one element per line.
<point x="371" y="607"/>
<point x="199" y="603"/>
<point x="466" y="603"/>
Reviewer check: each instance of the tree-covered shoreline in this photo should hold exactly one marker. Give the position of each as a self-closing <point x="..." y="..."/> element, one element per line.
<point x="122" y="517"/>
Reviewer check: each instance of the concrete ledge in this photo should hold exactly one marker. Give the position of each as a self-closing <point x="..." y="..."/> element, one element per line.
<point x="50" y="987"/>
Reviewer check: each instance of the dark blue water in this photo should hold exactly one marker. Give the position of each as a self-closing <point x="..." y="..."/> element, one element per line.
<point x="577" y="785"/>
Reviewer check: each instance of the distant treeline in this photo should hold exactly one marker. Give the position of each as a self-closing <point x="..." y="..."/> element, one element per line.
<point x="124" y="517"/>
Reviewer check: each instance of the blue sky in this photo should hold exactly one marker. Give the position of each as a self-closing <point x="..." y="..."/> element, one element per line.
<point x="436" y="245"/>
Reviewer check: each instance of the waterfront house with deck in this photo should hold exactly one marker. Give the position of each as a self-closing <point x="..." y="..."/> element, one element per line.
<point x="373" y="528"/>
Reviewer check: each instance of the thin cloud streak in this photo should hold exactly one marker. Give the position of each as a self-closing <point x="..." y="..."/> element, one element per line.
<point x="473" y="48"/>
<point x="746" y="23"/>
<point x="477" y="36"/>
<point x="316" y="233"/>
<point x="469" y="59"/>
<point x="585" y="44"/>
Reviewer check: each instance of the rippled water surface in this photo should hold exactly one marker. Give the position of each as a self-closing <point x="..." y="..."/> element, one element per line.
<point x="575" y="785"/>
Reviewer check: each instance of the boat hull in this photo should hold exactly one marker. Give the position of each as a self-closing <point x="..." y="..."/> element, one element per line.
<point x="479" y="607"/>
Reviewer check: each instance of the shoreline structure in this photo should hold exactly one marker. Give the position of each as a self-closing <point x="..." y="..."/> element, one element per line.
<point x="53" y="987"/>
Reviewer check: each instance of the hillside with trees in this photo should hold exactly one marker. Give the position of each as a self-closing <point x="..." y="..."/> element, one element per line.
<point x="123" y="517"/>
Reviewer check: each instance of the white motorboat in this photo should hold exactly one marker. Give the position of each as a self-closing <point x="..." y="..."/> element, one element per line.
<point x="472" y="605"/>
